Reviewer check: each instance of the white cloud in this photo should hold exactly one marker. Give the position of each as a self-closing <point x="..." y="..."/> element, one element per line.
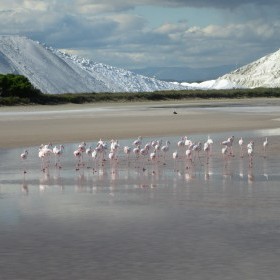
<point x="103" y="30"/>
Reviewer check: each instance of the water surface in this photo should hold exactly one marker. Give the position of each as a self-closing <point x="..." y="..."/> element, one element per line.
<point x="210" y="221"/>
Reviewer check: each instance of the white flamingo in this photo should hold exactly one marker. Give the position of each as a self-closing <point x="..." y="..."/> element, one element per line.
<point x="153" y="158"/>
<point x="112" y="156"/>
<point x="207" y="149"/>
<point x="210" y="142"/>
<point x="241" y="145"/>
<point x="181" y="145"/>
<point x="89" y="151"/>
<point x="187" y="141"/>
<point x="94" y="156"/>
<point x="225" y="152"/>
<point x="23" y="156"/>
<point x="44" y="153"/>
<point x="250" y="151"/>
<point x="229" y="144"/>
<point x="165" y="149"/>
<point x="58" y="151"/>
<point x="188" y="157"/>
<point x="175" y="157"/>
<point x="265" y="144"/>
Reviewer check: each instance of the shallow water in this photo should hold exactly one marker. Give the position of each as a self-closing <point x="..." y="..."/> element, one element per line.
<point x="210" y="221"/>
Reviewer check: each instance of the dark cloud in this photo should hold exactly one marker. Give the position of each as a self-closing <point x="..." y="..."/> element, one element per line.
<point x="104" y="31"/>
<point x="221" y="4"/>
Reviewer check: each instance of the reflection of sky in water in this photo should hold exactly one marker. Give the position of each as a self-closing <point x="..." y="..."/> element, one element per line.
<point x="53" y="112"/>
<point x="246" y="109"/>
<point x="121" y="222"/>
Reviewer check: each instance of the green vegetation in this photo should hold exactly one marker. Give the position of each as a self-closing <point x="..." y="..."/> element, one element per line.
<point x="17" y="90"/>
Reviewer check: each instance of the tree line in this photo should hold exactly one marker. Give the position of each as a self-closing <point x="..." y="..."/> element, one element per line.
<point x="17" y="90"/>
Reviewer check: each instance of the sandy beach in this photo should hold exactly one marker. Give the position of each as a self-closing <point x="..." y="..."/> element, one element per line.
<point x="32" y="125"/>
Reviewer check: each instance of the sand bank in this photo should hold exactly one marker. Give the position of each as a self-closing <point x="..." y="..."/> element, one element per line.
<point x="33" y="125"/>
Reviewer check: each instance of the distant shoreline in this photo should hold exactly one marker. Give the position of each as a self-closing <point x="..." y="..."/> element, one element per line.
<point x="24" y="126"/>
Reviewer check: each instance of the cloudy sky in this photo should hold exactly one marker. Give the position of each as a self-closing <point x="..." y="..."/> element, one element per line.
<point x="143" y="33"/>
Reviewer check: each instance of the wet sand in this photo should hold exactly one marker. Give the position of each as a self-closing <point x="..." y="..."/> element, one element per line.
<point x="26" y="126"/>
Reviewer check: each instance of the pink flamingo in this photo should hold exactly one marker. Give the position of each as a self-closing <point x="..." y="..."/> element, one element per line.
<point x="143" y="153"/>
<point x="153" y="158"/>
<point x="138" y="141"/>
<point x="188" y="157"/>
<point x="165" y="149"/>
<point x="181" y="143"/>
<point x="127" y="151"/>
<point x="229" y="143"/>
<point x="136" y="151"/>
<point x="197" y="148"/>
<point x="44" y="153"/>
<point x="58" y="151"/>
<point x="78" y="155"/>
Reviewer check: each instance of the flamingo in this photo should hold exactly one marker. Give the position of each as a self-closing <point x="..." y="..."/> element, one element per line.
<point x="175" y="157"/>
<point x="188" y="157"/>
<point x="197" y="148"/>
<point x="188" y="142"/>
<point x="250" y="151"/>
<point x="23" y="156"/>
<point x="153" y="155"/>
<point x="94" y="156"/>
<point x="206" y="149"/>
<point x="101" y="148"/>
<point x="143" y="152"/>
<point x="127" y="151"/>
<point x="157" y="146"/>
<point x="240" y="143"/>
<point x="58" y="151"/>
<point x="210" y="142"/>
<point x="112" y="156"/>
<point x="225" y="152"/>
<point x="82" y="149"/>
<point x="165" y="149"/>
<point x="101" y="151"/>
<point x="114" y="145"/>
<point x="78" y="154"/>
<point x="89" y="151"/>
<point x="153" y="158"/>
<point x="229" y="143"/>
<point x="148" y="146"/>
<point x="265" y="144"/>
<point x="136" y="152"/>
<point x="138" y="141"/>
<point x="181" y="143"/>
<point x="44" y="152"/>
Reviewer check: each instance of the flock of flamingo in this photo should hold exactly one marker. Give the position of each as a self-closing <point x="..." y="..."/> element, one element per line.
<point x="155" y="151"/>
